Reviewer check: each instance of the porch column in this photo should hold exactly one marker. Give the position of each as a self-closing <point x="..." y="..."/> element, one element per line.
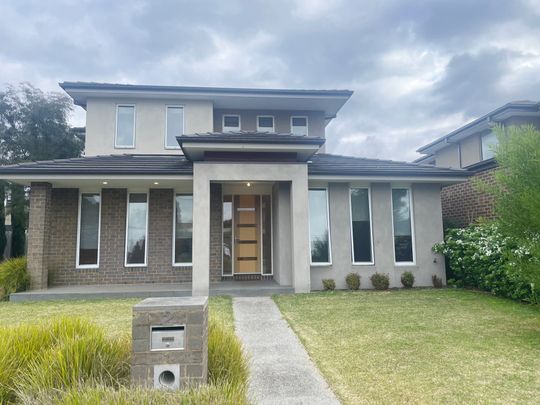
<point x="201" y="232"/>
<point x="300" y="232"/>
<point x="38" y="235"/>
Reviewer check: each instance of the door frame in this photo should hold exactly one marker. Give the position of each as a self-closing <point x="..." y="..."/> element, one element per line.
<point x="233" y="227"/>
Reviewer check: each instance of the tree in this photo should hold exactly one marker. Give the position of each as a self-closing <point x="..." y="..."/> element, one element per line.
<point x="33" y="126"/>
<point x="517" y="190"/>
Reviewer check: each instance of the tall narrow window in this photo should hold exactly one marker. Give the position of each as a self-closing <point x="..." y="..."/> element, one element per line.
<point x="183" y="230"/>
<point x="489" y="143"/>
<point x="319" y="226"/>
<point x="125" y="126"/>
<point x="361" y="226"/>
<point x="265" y="123"/>
<point x="402" y="220"/>
<point x="299" y="125"/>
<point x="227" y="227"/>
<point x="137" y="222"/>
<point x="174" y="126"/>
<point x="231" y="123"/>
<point x="88" y="238"/>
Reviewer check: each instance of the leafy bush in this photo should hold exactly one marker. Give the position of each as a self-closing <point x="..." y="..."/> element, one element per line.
<point x="380" y="281"/>
<point x="226" y="363"/>
<point x="436" y="281"/>
<point x="407" y="279"/>
<point x="329" y="284"/>
<point x="60" y="354"/>
<point x="13" y="276"/>
<point x="480" y="256"/>
<point x="353" y="281"/>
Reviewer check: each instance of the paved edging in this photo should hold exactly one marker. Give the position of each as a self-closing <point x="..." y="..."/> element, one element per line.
<point x="281" y="371"/>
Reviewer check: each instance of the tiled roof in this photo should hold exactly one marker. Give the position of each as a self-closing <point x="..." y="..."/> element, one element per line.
<point x="320" y="164"/>
<point x="327" y="164"/>
<point x="251" y="137"/>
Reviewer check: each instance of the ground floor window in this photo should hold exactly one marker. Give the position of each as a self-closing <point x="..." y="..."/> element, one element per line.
<point x="88" y="235"/>
<point x="402" y="224"/>
<point x="319" y="226"/>
<point x="183" y="230"/>
<point x="136" y="229"/>
<point x="361" y="226"/>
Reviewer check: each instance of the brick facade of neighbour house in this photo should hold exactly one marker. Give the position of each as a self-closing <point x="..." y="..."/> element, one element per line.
<point x="463" y="203"/>
<point x="38" y="235"/>
<point x="63" y="240"/>
<point x="215" y="232"/>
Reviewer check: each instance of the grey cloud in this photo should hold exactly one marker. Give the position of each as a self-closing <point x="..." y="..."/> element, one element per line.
<point x="418" y="68"/>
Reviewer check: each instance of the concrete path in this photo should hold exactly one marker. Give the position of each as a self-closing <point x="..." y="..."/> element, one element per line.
<point x="281" y="371"/>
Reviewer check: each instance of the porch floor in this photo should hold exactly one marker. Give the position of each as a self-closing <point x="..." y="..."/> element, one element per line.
<point x="255" y="288"/>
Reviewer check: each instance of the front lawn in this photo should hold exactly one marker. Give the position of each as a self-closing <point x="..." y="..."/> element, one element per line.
<point x="420" y="346"/>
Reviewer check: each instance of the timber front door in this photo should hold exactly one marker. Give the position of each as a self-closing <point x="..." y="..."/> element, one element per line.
<point x="247" y="257"/>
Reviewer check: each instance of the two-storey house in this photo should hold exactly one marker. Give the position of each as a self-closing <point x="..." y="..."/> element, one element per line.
<point x="472" y="147"/>
<point x="199" y="185"/>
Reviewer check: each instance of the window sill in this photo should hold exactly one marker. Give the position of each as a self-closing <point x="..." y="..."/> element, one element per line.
<point x="320" y="264"/>
<point x="182" y="264"/>
<point x="87" y="267"/>
<point x="363" y="264"/>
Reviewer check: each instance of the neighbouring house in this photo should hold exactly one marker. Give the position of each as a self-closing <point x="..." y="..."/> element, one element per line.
<point x="200" y="185"/>
<point x="471" y="147"/>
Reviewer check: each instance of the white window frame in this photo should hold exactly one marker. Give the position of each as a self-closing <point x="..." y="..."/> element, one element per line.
<point x="482" y="151"/>
<point x="116" y="146"/>
<point x="230" y="129"/>
<point x="307" y="123"/>
<point x="167" y="106"/>
<point x="329" y="263"/>
<point x="145" y="264"/>
<point x="265" y="129"/>
<point x="411" y="209"/>
<point x="87" y="266"/>
<point x="174" y="263"/>
<point x="354" y="262"/>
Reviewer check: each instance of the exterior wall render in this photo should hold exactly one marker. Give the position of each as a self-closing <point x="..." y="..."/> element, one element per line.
<point x="428" y="230"/>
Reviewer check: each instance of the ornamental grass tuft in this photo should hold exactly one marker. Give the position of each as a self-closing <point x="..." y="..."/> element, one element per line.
<point x="13" y="277"/>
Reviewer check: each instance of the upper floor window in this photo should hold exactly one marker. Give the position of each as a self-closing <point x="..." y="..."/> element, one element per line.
<point x="231" y="123"/>
<point x="125" y="126"/>
<point x="174" y="125"/>
<point x="489" y="143"/>
<point x="265" y="123"/>
<point x="299" y="125"/>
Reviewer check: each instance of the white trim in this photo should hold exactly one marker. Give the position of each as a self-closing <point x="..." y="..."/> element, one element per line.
<point x="132" y="146"/>
<point x="181" y="264"/>
<point x="231" y="129"/>
<point x="77" y="253"/>
<point x="265" y="129"/>
<point x="411" y="215"/>
<point x="145" y="264"/>
<point x="372" y="262"/>
<point x="167" y="106"/>
<point x="329" y="263"/>
<point x="300" y="116"/>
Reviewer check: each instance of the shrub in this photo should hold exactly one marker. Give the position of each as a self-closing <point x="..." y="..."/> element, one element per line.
<point x="329" y="284"/>
<point x="60" y="354"/>
<point x="226" y="363"/>
<point x="353" y="281"/>
<point x="407" y="279"/>
<point x="436" y="281"/>
<point x="13" y="276"/>
<point x="480" y="256"/>
<point x="380" y="281"/>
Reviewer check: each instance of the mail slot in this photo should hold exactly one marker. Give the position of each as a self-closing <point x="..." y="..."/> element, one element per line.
<point x="167" y="338"/>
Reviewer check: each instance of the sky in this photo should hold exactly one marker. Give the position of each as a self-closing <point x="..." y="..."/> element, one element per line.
<point x="418" y="69"/>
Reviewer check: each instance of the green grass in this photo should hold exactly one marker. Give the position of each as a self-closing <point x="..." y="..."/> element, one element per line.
<point x="420" y="346"/>
<point x="113" y="315"/>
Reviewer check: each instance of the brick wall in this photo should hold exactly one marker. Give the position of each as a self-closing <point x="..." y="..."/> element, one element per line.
<point x="38" y="235"/>
<point x="215" y="232"/>
<point x="463" y="203"/>
<point x="63" y="241"/>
